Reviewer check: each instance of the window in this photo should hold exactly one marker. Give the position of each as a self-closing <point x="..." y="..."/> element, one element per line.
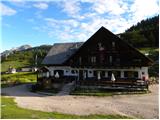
<point x="117" y="74"/>
<point x="110" y="59"/>
<point x="93" y="59"/>
<point x="137" y="60"/>
<point x="109" y="73"/>
<point x="113" y="44"/>
<point x="95" y="73"/>
<point x="136" y="74"/>
<point x="103" y="73"/>
<point x="72" y="71"/>
<point x="117" y="60"/>
<point x="130" y="74"/>
<point x="100" y="47"/>
<point x="80" y="60"/>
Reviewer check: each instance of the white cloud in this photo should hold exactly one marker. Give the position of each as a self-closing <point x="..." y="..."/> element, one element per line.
<point x="5" y="10"/>
<point x="116" y="7"/>
<point x="71" y="7"/>
<point x="42" y="6"/>
<point x="18" y="3"/>
<point x="110" y="14"/>
<point x="70" y="22"/>
<point x="141" y="9"/>
<point x="115" y="15"/>
<point x="63" y="30"/>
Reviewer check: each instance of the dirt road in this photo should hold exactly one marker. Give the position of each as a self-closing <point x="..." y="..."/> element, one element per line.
<point x="138" y="106"/>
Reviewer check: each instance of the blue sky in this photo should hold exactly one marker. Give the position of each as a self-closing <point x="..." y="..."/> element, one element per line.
<point x="52" y="21"/>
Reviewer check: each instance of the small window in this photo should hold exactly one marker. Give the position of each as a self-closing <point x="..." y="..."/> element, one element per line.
<point x="117" y="74"/>
<point x="93" y="59"/>
<point x="109" y="73"/>
<point x="110" y="59"/>
<point x="136" y="74"/>
<point x="72" y="71"/>
<point x="113" y="44"/>
<point x="137" y="60"/>
<point x="90" y="71"/>
<point x="103" y="73"/>
<point x="117" y="60"/>
<point x="80" y="60"/>
<point x="130" y="74"/>
<point x="95" y="73"/>
<point x="99" y="45"/>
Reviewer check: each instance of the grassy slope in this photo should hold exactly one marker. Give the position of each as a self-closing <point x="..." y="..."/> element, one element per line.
<point x="21" y="77"/>
<point x="15" y="63"/>
<point x="24" y="58"/>
<point x="11" y="111"/>
<point x="148" y="49"/>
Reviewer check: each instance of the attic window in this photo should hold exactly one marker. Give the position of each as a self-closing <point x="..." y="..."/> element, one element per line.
<point x="100" y="47"/>
<point x="113" y="44"/>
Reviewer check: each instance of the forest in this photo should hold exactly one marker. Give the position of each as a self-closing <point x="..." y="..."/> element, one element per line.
<point x="143" y="34"/>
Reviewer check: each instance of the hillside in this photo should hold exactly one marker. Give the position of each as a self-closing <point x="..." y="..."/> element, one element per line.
<point x="143" y="34"/>
<point x="24" y="58"/>
<point x="21" y="48"/>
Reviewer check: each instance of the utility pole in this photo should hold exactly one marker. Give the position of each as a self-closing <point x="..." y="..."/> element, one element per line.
<point x="36" y="61"/>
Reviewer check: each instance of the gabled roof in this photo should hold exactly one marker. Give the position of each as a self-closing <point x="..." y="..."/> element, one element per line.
<point x="60" y="52"/>
<point x="104" y="34"/>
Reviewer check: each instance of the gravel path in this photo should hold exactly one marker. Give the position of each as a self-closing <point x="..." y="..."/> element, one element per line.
<point x="138" y="106"/>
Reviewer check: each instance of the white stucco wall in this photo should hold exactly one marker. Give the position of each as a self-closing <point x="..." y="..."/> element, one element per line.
<point x="145" y="70"/>
<point x="90" y="73"/>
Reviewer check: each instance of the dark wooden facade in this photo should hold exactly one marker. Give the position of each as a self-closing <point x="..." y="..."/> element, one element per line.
<point x="93" y="63"/>
<point x="106" y="50"/>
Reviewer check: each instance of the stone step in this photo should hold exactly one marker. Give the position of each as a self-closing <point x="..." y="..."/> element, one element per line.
<point x="66" y="89"/>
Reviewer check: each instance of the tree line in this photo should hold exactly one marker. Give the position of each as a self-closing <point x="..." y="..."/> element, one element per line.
<point x="143" y="34"/>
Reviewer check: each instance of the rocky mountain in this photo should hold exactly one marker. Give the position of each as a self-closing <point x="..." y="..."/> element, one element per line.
<point x="11" y="51"/>
<point x="24" y="58"/>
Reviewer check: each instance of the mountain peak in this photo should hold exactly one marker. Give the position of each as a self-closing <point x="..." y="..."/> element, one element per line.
<point x="20" y="48"/>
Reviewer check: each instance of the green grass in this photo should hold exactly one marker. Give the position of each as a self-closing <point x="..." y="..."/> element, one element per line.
<point x="15" y="64"/>
<point x="148" y="50"/>
<point x="21" y="77"/>
<point x="9" y="110"/>
<point x="25" y="58"/>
